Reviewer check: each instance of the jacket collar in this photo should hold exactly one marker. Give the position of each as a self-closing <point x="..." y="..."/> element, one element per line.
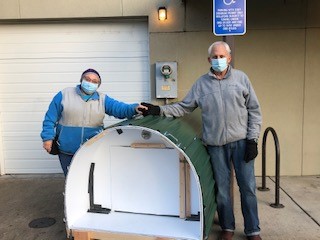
<point x="211" y="73"/>
<point x="94" y="96"/>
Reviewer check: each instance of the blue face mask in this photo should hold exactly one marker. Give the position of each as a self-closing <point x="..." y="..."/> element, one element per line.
<point x="89" y="87"/>
<point x="219" y="64"/>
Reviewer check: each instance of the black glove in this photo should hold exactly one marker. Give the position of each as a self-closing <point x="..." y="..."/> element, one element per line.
<point x="251" y="150"/>
<point x="152" y="109"/>
<point x="55" y="147"/>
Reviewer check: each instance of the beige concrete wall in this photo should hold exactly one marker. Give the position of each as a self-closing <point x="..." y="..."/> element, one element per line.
<point x="9" y="9"/>
<point x="280" y="53"/>
<point x="61" y="9"/>
<point x="311" y="120"/>
<point x="273" y="67"/>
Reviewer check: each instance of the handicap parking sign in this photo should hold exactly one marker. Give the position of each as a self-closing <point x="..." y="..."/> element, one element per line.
<point x="229" y="17"/>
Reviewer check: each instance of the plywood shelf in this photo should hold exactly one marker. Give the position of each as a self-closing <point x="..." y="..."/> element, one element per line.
<point x="133" y="226"/>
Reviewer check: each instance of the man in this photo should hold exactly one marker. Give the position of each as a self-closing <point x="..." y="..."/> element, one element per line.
<point x="231" y="120"/>
<point x="76" y="114"/>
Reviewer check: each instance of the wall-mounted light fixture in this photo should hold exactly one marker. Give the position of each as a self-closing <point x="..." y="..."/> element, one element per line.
<point x="162" y="13"/>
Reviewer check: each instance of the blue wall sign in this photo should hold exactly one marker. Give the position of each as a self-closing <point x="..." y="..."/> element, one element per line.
<point x="229" y="17"/>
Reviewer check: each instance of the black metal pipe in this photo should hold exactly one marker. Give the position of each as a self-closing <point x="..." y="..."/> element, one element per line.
<point x="277" y="183"/>
<point x="264" y="139"/>
<point x="277" y="193"/>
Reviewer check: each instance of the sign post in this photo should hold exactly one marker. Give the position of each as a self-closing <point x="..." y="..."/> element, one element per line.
<point x="229" y="19"/>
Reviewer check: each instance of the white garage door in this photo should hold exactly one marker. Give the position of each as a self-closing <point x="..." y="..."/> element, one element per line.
<point x="38" y="60"/>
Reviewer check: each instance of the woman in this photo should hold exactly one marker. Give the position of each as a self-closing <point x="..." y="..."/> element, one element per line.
<point x="76" y="114"/>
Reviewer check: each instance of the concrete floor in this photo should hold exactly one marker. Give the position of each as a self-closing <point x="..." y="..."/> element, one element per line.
<point x="24" y="198"/>
<point x="300" y="217"/>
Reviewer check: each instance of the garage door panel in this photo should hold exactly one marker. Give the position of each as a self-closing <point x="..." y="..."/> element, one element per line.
<point x="138" y="47"/>
<point x="68" y="54"/>
<point x="129" y="65"/>
<point x="126" y="98"/>
<point x="102" y="33"/>
<point x="25" y="127"/>
<point x="22" y="107"/>
<point x="26" y="136"/>
<point x="21" y="116"/>
<point x="42" y="59"/>
<point x="21" y="74"/>
<point x="36" y="87"/>
<point x="77" y="37"/>
<point x="10" y="98"/>
<point x="48" y="166"/>
<point x="124" y="95"/>
<point x="74" y="61"/>
<point x="21" y="145"/>
<point x="24" y="156"/>
<point x="110" y="31"/>
<point x="32" y="88"/>
<point x="122" y="76"/>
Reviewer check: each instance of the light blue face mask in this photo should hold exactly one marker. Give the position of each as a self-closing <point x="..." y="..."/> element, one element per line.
<point x="89" y="87"/>
<point x="219" y="64"/>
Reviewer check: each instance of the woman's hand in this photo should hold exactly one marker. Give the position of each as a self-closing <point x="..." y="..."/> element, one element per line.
<point x="47" y="145"/>
<point x="140" y="109"/>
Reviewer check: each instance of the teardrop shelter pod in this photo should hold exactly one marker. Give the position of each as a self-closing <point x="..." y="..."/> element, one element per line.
<point x="142" y="179"/>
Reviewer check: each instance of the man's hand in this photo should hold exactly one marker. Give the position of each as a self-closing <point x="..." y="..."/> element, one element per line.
<point x="151" y="109"/>
<point x="251" y="150"/>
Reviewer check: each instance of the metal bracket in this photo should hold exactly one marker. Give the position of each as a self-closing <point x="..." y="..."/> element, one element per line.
<point x="96" y="208"/>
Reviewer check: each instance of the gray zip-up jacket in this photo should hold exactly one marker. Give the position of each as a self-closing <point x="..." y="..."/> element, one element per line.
<point x="229" y="107"/>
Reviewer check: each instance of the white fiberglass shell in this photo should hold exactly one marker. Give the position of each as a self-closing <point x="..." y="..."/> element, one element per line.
<point x="141" y="186"/>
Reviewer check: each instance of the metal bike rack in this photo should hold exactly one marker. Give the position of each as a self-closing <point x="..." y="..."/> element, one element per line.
<point x="277" y="183"/>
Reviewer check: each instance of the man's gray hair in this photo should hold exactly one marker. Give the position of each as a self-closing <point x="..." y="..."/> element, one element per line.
<point x="219" y="43"/>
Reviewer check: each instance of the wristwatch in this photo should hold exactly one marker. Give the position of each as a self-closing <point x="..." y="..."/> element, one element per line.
<point x="255" y="140"/>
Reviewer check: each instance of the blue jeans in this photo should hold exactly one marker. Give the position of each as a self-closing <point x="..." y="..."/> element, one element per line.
<point x="221" y="158"/>
<point x="65" y="161"/>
